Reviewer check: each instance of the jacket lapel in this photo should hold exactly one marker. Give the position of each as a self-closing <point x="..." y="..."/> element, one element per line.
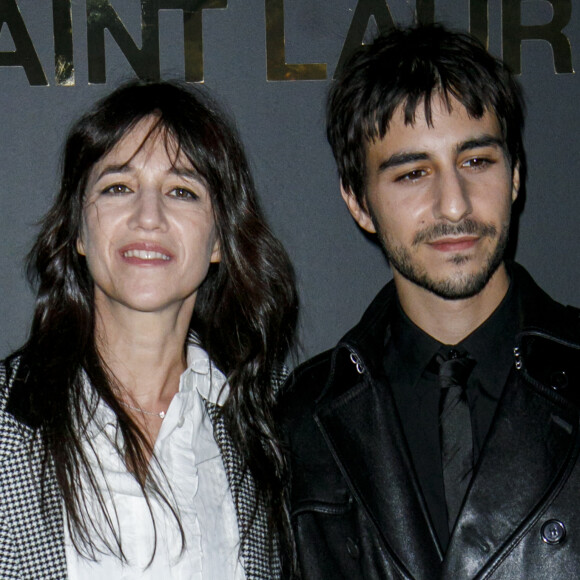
<point x="363" y="431"/>
<point x="258" y="562"/>
<point x="530" y="444"/>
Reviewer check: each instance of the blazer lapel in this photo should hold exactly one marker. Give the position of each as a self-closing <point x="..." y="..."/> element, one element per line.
<point x="523" y="461"/>
<point x="259" y="563"/>
<point x="363" y="430"/>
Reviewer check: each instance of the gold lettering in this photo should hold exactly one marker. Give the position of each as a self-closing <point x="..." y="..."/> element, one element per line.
<point x="144" y="60"/>
<point x="277" y="68"/>
<point x="479" y="20"/>
<point x="24" y="55"/>
<point x="514" y="32"/>
<point x="64" y="68"/>
<point x="365" y="9"/>
<point x="426" y="11"/>
<point x="193" y="37"/>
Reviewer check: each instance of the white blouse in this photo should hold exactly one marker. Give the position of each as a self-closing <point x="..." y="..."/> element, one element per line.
<point x="194" y="477"/>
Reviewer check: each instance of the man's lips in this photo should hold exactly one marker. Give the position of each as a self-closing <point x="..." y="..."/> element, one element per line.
<point x="454" y="244"/>
<point x="145" y="253"/>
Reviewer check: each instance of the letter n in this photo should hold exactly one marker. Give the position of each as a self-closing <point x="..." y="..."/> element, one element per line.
<point x="144" y="60"/>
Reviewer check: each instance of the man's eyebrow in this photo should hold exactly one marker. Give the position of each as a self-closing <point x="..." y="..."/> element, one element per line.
<point x="484" y="141"/>
<point x="401" y="159"/>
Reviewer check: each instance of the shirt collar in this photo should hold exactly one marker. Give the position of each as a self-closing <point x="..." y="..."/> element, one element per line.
<point x="490" y="344"/>
<point x="414" y="348"/>
<point x="202" y="375"/>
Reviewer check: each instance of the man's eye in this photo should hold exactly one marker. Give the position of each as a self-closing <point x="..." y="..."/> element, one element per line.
<point x="117" y="189"/>
<point x="183" y="193"/>
<point x="412" y="175"/>
<point x="477" y="162"/>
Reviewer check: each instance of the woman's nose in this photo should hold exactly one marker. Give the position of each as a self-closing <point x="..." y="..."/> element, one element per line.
<point x="148" y="211"/>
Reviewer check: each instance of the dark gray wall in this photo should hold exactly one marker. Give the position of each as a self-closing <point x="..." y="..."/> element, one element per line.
<point x="282" y="125"/>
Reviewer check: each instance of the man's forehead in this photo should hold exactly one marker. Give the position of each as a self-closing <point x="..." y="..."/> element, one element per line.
<point x="439" y="115"/>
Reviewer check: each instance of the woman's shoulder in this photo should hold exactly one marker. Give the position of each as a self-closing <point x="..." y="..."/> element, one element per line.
<point x="278" y="377"/>
<point x="7" y="370"/>
<point x="11" y="429"/>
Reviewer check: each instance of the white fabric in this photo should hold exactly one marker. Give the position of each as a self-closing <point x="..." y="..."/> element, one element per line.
<point x="190" y="458"/>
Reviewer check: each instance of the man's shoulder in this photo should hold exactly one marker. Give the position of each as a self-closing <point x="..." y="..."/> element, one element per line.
<point x="305" y="383"/>
<point x="539" y="311"/>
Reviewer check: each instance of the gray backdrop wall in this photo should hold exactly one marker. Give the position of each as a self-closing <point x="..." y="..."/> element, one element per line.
<point x="270" y="62"/>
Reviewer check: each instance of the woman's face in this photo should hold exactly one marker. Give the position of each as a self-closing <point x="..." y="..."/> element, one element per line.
<point x="148" y="230"/>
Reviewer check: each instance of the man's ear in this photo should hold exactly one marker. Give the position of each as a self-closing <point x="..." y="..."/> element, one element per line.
<point x="360" y="214"/>
<point x="515" y="181"/>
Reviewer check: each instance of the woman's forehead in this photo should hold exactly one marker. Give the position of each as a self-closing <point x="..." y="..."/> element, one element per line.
<point x="146" y="139"/>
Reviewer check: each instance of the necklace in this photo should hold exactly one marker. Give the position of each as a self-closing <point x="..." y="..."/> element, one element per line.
<point x="161" y="414"/>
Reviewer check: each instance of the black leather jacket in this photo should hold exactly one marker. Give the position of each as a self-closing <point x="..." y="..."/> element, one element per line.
<point x="356" y="506"/>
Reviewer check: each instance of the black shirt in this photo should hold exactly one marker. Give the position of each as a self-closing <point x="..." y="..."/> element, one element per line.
<point x="408" y="353"/>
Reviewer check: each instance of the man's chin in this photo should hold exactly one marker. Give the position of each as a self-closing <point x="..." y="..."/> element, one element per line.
<point x="456" y="284"/>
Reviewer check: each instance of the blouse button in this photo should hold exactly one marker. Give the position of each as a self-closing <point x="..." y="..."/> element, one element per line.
<point x="181" y="421"/>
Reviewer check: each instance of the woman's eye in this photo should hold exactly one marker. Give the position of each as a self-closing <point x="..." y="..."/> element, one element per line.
<point x="117" y="189"/>
<point x="182" y="193"/>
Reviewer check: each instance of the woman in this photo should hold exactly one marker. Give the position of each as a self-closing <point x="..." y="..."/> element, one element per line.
<point x="124" y="451"/>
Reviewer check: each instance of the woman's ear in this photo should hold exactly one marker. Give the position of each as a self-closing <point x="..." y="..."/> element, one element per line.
<point x="216" y="255"/>
<point x="80" y="246"/>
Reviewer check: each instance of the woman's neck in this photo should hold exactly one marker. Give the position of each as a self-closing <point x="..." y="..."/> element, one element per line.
<point x="145" y="353"/>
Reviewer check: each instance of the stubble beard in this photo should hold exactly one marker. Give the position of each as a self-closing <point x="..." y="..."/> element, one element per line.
<point x="460" y="286"/>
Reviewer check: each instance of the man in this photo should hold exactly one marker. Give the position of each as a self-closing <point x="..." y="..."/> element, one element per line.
<point x="439" y="439"/>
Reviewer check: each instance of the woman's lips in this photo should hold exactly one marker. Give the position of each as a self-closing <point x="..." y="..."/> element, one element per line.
<point x="454" y="244"/>
<point x="145" y="253"/>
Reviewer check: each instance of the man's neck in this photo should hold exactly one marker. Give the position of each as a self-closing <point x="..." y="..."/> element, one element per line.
<point x="450" y="321"/>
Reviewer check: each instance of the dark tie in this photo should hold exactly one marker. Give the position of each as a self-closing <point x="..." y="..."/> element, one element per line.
<point x="455" y="427"/>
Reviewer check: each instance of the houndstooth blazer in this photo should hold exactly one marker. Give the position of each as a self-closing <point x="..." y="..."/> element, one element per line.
<point x="32" y="530"/>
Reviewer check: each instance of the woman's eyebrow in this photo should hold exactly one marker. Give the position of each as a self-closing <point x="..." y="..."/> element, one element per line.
<point x="114" y="168"/>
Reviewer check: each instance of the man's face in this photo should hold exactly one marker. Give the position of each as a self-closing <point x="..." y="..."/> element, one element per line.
<point x="440" y="199"/>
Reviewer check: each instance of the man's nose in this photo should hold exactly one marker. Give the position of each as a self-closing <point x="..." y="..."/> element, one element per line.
<point x="452" y="200"/>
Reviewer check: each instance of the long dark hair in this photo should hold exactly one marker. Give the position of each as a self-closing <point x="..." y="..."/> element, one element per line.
<point x="244" y="317"/>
